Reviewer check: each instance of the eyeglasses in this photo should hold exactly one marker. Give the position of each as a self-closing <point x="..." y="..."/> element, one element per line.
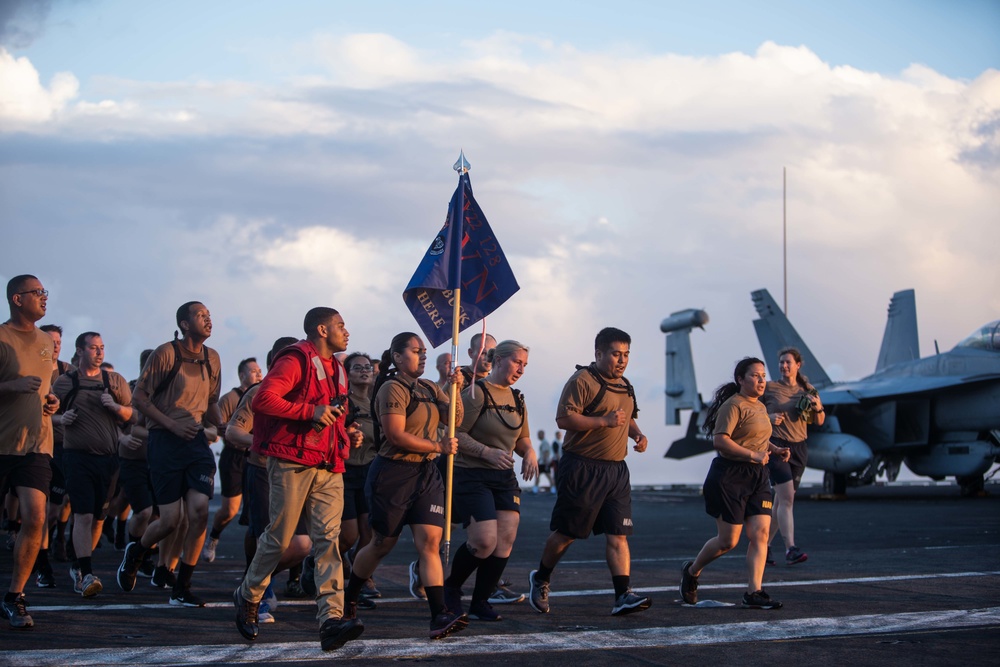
<point x="362" y="369"/>
<point x="37" y="292"/>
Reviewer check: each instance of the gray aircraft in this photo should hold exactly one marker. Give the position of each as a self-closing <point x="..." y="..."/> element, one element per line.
<point x="940" y="415"/>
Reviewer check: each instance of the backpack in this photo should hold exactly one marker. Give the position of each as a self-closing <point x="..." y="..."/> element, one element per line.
<point x="592" y="406"/>
<point x="74" y="376"/>
<point x="488" y="402"/>
<point x="178" y="360"/>
<point x="411" y="406"/>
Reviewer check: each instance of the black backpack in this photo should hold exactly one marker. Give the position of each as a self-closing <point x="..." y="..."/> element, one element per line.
<point x="491" y="404"/>
<point x="605" y="387"/>
<point x="74" y="377"/>
<point x="178" y="360"/>
<point x="411" y="406"/>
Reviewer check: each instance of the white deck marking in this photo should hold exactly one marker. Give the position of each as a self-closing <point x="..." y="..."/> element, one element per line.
<point x="771" y="629"/>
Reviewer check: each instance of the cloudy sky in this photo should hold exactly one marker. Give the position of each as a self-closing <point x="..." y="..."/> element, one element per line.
<point x="629" y="156"/>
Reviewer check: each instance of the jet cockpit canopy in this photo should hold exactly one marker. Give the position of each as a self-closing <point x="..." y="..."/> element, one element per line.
<point x="986" y="337"/>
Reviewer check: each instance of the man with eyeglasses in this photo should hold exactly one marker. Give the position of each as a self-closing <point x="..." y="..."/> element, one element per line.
<point x="26" y="409"/>
<point x="178" y="394"/>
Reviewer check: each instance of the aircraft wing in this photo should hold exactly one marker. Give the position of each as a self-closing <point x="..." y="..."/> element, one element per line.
<point x="855" y="392"/>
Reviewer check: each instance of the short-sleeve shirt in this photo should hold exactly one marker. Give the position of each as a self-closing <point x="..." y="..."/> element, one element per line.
<point x="361" y="415"/>
<point x="227" y="406"/>
<point x="499" y="426"/>
<point x="604" y="444"/>
<point x="779" y="397"/>
<point x="194" y="388"/>
<point x="24" y="429"/>
<point x="95" y="429"/>
<point x="744" y="421"/>
<point x="393" y="398"/>
<point x="243" y="418"/>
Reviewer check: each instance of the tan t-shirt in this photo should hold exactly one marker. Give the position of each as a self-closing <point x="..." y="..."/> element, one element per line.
<point x="499" y="426"/>
<point x="227" y="406"/>
<point x="779" y="397"/>
<point x="23" y="427"/>
<point x="394" y="397"/>
<point x="361" y="412"/>
<point x="193" y="389"/>
<point x="243" y="418"/>
<point x="604" y="444"/>
<point x="57" y="429"/>
<point x="744" y="421"/>
<point x="95" y="429"/>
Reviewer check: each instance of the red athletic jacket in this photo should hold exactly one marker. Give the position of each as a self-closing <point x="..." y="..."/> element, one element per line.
<point x="285" y="403"/>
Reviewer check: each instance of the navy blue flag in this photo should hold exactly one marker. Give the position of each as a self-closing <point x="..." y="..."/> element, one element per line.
<point x="464" y="254"/>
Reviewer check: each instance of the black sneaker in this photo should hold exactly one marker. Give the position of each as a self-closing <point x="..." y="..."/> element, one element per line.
<point x="162" y="578"/>
<point x="538" y="593"/>
<point x="447" y="623"/>
<point x="45" y="578"/>
<point x="453" y="599"/>
<point x="370" y="590"/>
<point x="336" y="632"/>
<point x="186" y="598"/>
<point x="795" y="555"/>
<point x="293" y="589"/>
<point x="482" y="610"/>
<point x="689" y="585"/>
<point x="147" y="567"/>
<point x="16" y="613"/>
<point x="129" y="567"/>
<point x="246" y="615"/>
<point x="760" y="600"/>
<point x="366" y="603"/>
<point x="629" y="603"/>
<point x="119" y="540"/>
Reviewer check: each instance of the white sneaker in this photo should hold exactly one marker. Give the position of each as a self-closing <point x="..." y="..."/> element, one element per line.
<point x="208" y="553"/>
<point x="90" y="586"/>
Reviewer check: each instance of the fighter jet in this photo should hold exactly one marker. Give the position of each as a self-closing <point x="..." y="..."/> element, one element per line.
<point x="939" y="416"/>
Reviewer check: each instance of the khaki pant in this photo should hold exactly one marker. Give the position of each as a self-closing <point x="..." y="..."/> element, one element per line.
<point x="320" y="494"/>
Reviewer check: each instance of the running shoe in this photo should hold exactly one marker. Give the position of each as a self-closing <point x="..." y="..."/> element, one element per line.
<point x="270" y="598"/>
<point x="90" y="586"/>
<point x="482" y="610"/>
<point x="45" y="578"/>
<point x="293" y="589"/>
<point x="129" y="567"/>
<point x="163" y="578"/>
<point x="504" y="595"/>
<point x="629" y="603"/>
<point x="186" y="598"/>
<point x="689" y="585"/>
<point x="147" y="567"/>
<point x="795" y="555"/>
<point x="370" y="590"/>
<point x="16" y="613"/>
<point x="208" y="553"/>
<point x="538" y="593"/>
<point x="338" y="631"/>
<point x="264" y="614"/>
<point x="416" y="588"/>
<point x="77" y="577"/>
<point x="447" y="623"/>
<point x="759" y="600"/>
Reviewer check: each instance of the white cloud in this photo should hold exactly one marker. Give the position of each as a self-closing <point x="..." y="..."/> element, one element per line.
<point x="23" y="98"/>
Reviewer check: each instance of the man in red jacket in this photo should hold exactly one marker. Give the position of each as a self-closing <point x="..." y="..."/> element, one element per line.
<point x="299" y="415"/>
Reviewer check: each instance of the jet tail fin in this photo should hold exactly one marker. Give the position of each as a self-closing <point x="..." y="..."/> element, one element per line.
<point x="775" y="332"/>
<point x="694" y="442"/>
<point x="682" y="388"/>
<point x="900" y="341"/>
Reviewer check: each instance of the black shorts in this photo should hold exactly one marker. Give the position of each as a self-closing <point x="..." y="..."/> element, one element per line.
<point x="593" y="497"/>
<point x="736" y="490"/>
<point x="479" y="494"/>
<point x="257" y="502"/>
<point x="791" y="470"/>
<point x="57" y="487"/>
<point x="177" y="466"/>
<point x="402" y="493"/>
<point x="231" y="463"/>
<point x="89" y="478"/>
<point x="32" y="471"/>
<point x="355" y="503"/>
<point x="134" y="477"/>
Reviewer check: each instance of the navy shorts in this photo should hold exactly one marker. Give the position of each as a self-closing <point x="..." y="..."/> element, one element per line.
<point x="32" y="471"/>
<point x="355" y="503"/>
<point x="737" y="490"/>
<point x="231" y="463"/>
<point x="89" y="478"/>
<point x="402" y="493"/>
<point x="257" y="502"/>
<point x="791" y="470"/>
<point x="177" y="466"/>
<point x="480" y="493"/>
<point x="134" y="477"/>
<point x="57" y="487"/>
<point x="594" y="497"/>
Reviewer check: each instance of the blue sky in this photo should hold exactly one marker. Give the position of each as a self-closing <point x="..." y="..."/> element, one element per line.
<point x="267" y="158"/>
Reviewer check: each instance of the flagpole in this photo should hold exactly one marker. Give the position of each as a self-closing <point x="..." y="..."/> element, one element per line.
<point x="462" y="166"/>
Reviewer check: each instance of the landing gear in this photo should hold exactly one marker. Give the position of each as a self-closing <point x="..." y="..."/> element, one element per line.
<point x="834" y="484"/>
<point x="972" y="487"/>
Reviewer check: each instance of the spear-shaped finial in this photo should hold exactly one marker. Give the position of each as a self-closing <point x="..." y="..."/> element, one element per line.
<point x="462" y="166"/>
